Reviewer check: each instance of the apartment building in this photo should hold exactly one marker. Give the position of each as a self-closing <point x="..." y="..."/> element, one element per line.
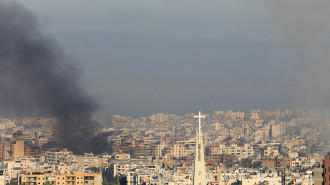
<point x="241" y="151"/>
<point x="57" y="157"/>
<point x="269" y="152"/>
<point x="39" y="177"/>
<point x="326" y="169"/>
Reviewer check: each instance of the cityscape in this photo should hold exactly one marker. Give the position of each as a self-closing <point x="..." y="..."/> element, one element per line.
<point x="164" y="92"/>
<point x="255" y="147"/>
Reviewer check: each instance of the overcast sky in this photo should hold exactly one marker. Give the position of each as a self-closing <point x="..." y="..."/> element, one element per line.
<point x="175" y="56"/>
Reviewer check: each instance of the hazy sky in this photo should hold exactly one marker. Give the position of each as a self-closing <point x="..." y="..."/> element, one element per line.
<point x="175" y="56"/>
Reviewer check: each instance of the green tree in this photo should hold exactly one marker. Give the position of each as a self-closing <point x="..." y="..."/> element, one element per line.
<point x="122" y="179"/>
<point x="12" y="182"/>
<point x="116" y="180"/>
<point x="105" y="181"/>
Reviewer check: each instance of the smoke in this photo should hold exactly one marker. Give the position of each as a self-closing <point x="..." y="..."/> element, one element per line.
<point x="302" y="27"/>
<point x="36" y="76"/>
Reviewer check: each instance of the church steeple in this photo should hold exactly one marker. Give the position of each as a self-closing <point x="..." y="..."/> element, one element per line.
<point x="199" y="166"/>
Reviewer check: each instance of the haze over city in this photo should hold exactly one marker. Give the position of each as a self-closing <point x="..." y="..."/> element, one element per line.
<point x="164" y="92"/>
<point x="142" y="57"/>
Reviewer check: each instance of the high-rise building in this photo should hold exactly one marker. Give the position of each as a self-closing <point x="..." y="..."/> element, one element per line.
<point x="326" y="169"/>
<point x="17" y="144"/>
<point x="199" y="165"/>
<point x="18" y="148"/>
<point x="4" y="150"/>
<point x="318" y="174"/>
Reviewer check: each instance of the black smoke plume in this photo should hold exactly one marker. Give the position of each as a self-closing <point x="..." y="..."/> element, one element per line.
<point x="36" y="76"/>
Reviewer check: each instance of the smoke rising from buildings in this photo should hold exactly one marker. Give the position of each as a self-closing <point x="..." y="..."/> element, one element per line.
<point x="37" y="76"/>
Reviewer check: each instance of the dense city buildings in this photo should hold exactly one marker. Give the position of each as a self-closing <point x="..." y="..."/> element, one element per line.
<point x="254" y="147"/>
<point x="34" y="177"/>
<point x="326" y="169"/>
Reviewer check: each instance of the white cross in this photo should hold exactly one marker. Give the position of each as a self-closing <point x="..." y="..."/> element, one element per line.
<point x="199" y="123"/>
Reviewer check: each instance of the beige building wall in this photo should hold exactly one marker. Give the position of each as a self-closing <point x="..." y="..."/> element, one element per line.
<point x="275" y="130"/>
<point x="74" y="178"/>
<point x="18" y="148"/>
<point x="4" y="150"/>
